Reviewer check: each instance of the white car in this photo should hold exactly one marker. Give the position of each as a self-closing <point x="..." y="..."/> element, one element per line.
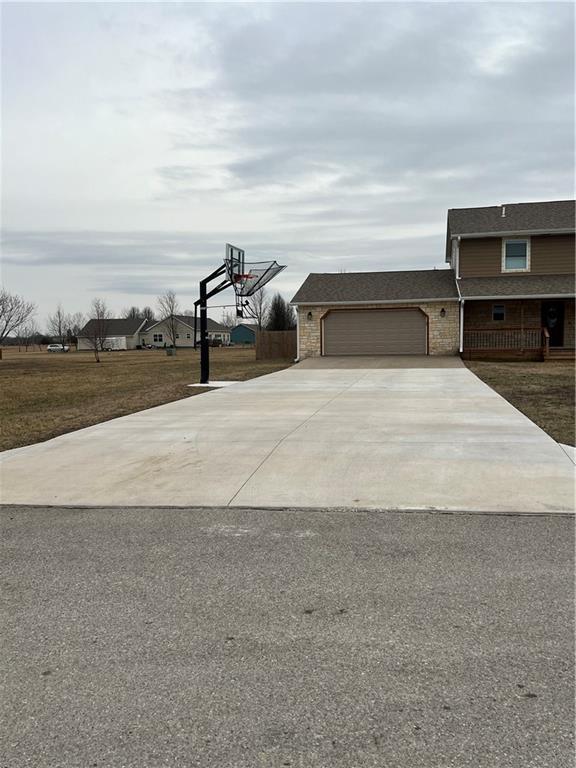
<point x="57" y="348"/>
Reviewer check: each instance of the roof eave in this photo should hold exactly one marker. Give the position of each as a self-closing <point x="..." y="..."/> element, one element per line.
<point x="374" y="301"/>
<point x="492" y="297"/>
<point x="515" y="232"/>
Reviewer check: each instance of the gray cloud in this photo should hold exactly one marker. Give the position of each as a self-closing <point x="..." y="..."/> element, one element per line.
<point x="327" y="136"/>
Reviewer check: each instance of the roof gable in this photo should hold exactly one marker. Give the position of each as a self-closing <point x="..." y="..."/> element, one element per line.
<point x="188" y="321"/>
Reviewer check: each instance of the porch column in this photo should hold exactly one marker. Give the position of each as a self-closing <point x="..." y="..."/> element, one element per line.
<point x="461" y="326"/>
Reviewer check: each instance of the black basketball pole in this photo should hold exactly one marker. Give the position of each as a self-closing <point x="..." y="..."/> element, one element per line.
<point x="203" y="304"/>
<point x="231" y="278"/>
<point x="204" y="348"/>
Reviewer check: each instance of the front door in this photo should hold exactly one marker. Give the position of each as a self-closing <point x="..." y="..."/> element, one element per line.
<point x="553" y="319"/>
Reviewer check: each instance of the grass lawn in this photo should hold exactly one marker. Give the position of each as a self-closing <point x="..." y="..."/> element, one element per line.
<point x="542" y="391"/>
<point x="45" y="395"/>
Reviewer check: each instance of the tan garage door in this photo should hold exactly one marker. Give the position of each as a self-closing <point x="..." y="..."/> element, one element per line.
<point x="375" y="332"/>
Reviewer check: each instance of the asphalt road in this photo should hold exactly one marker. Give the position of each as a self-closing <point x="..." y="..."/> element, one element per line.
<point x="155" y="638"/>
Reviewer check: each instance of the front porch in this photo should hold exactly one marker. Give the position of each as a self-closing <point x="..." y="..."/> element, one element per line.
<point x="525" y="329"/>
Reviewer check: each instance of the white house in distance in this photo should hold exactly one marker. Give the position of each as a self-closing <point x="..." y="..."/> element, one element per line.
<point x="121" y="333"/>
<point x="157" y="334"/>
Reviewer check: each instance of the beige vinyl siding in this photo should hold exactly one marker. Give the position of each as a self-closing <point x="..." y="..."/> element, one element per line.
<point x="480" y="257"/>
<point x="375" y="332"/>
<point x="549" y="255"/>
<point x="552" y="255"/>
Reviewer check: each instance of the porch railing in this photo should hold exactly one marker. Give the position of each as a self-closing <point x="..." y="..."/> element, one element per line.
<point x="513" y="338"/>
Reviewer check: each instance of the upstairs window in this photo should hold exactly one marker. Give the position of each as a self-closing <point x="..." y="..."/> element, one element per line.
<point x="515" y="255"/>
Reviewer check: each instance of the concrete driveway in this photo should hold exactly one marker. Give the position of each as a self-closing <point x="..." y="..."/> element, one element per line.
<point x="394" y="433"/>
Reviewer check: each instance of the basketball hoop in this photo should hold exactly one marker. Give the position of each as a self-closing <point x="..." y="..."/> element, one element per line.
<point x="246" y="279"/>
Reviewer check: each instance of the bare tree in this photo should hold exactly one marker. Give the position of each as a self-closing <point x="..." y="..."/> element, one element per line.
<point x="131" y="313"/>
<point x="148" y="313"/>
<point x="59" y="325"/>
<point x="15" y="311"/>
<point x="96" y="329"/>
<point x="169" y="309"/>
<point x="29" y="333"/>
<point x="260" y="304"/>
<point x="228" y="318"/>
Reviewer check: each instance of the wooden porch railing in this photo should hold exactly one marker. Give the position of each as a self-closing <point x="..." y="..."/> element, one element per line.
<point x="504" y="339"/>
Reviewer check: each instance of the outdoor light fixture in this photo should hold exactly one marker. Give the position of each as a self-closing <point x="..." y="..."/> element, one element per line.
<point x="309" y="315"/>
<point x="442" y="312"/>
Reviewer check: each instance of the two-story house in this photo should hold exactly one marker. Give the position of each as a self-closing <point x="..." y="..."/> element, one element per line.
<point x="514" y="268"/>
<point x="508" y="291"/>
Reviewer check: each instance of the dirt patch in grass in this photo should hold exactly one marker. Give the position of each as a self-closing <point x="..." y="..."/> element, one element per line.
<point x="542" y="391"/>
<point x="45" y="395"/>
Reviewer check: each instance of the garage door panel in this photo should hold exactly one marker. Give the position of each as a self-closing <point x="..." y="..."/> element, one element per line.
<point x="375" y="332"/>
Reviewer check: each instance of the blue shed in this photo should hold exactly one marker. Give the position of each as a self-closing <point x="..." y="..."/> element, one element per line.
<point x="243" y="334"/>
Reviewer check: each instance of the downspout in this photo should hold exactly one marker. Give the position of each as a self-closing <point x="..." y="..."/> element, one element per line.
<point x="460" y="299"/>
<point x="297" y="360"/>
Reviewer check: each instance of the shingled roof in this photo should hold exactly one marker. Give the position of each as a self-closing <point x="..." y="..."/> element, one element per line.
<point x="116" y="326"/>
<point x="213" y="326"/>
<point x="376" y="287"/>
<point x="510" y="286"/>
<point x="553" y="216"/>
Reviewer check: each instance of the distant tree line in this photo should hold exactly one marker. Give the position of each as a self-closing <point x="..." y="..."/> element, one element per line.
<point x="18" y="324"/>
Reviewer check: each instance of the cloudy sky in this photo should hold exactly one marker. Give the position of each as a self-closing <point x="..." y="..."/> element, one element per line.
<point x="138" y="138"/>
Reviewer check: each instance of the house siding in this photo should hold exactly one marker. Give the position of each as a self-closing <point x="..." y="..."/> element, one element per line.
<point x="182" y="330"/>
<point x="242" y="335"/>
<point x="525" y="313"/>
<point x="443" y="332"/>
<point x="124" y="342"/>
<point x="549" y="255"/>
<point x="552" y="255"/>
<point x="519" y="312"/>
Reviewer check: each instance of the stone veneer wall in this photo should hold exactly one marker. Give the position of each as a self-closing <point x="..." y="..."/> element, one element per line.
<point x="443" y="332"/>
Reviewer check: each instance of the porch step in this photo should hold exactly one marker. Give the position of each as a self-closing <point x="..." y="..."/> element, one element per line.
<point x="561" y="353"/>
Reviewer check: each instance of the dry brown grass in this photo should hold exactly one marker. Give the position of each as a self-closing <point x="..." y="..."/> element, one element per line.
<point x="542" y="391"/>
<point x="44" y="395"/>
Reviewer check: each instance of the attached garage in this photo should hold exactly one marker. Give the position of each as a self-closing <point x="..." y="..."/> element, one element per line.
<point x="375" y="332"/>
<point x="378" y="313"/>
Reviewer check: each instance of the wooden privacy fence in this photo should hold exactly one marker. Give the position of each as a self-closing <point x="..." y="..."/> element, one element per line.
<point x="273" y="345"/>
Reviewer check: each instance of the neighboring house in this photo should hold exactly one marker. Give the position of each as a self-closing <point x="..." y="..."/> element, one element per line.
<point x="121" y="333"/>
<point x="243" y="334"/>
<point x="157" y="334"/>
<point x="514" y="266"/>
<point x="509" y="291"/>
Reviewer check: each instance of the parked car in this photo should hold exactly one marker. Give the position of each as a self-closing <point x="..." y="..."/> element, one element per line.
<point x="57" y="348"/>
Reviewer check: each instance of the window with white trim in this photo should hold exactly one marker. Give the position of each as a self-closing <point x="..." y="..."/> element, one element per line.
<point x="187" y="335"/>
<point x="158" y="337"/>
<point x="498" y="312"/>
<point x="177" y="335"/>
<point x="516" y="255"/>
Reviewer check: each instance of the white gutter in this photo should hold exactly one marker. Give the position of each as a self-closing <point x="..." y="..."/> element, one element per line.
<point x="514" y="232"/>
<point x="532" y="296"/>
<point x="376" y="301"/>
